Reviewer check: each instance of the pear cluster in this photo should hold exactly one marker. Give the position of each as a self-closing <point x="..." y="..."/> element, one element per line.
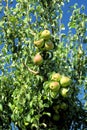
<point x="59" y="83"/>
<point x="58" y="87"/>
<point x="43" y="42"/>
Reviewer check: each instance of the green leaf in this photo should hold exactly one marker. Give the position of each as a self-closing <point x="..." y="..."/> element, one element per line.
<point x="46" y="113"/>
<point x="85" y="40"/>
<point x="72" y="25"/>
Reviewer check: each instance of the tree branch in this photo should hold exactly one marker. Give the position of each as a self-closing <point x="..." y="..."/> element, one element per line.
<point x="30" y="70"/>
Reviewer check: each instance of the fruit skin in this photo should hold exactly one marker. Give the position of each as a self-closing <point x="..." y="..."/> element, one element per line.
<point x="45" y="34"/>
<point x="54" y="86"/>
<point x="49" y="46"/>
<point x="65" y="81"/>
<point x="56" y="77"/>
<point x="38" y="60"/>
<point x="39" y="43"/>
<point x="64" y="92"/>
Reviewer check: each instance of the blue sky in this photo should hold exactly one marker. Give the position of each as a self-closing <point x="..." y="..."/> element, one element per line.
<point x="66" y="14"/>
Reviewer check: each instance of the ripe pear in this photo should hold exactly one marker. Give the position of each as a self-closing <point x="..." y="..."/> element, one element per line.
<point x="39" y="43"/>
<point x="65" y="81"/>
<point x="49" y="46"/>
<point x="38" y="59"/>
<point x="54" y="86"/>
<point x="64" y="92"/>
<point x="56" y="77"/>
<point x="45" y="34"/>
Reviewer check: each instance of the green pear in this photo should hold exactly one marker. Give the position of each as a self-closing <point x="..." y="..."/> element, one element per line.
<point x="65" y="81"/>
<point x="49" y="46"/>
<point x="45" y="34"/>
<point x="64" y="92"/>
<point x="56" y="77"/>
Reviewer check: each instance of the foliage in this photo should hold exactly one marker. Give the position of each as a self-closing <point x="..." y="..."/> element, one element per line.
<point x="27" y="93"/>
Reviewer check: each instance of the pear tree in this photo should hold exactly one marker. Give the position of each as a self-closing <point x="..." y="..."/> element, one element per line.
<point x="42" y="69"/>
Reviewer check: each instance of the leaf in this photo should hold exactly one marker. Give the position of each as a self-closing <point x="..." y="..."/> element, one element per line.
<point x="1" y="23"/>
<point x="47" y="113"/>
<point x="85" y="40"/>
<point x="72" y="25"/>
<point x="62" y="27"/>
<point x="28" y="118"/>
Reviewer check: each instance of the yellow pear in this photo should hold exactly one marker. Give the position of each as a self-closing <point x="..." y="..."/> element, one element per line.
<point x="65" y="81"/>
<point x="54" y="86"/>
<point x="45" y="34"/>
<point x="64" y="92"/>
<point x="56" y="77"/>
<point x="39" y="43"/>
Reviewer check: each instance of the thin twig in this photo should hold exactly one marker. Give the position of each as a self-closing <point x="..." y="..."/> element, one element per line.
<point x="30" y="70"/>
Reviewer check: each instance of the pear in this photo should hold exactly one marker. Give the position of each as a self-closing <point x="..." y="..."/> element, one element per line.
<point x="39" y="43"/>
<point x="64" y="92"/>
<point x="49" y="46"/>
<point x="54" y="86"/>
<point x="56" y="77"/>
<point x="38" y="59"/>
<point x="45" y="34"/>
<point x="65" y="81"/>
